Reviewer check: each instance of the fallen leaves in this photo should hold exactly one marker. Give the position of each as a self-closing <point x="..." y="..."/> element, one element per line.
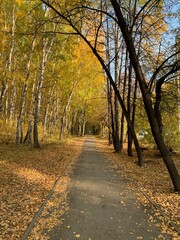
<point x="77" y="235"/>
<point x="26" y="177"/>
<point x="152" y="178"/>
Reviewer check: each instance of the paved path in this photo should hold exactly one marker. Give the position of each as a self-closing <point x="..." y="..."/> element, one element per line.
<point x="101" y="205"/>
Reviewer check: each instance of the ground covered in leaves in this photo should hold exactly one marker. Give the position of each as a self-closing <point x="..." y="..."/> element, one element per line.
<point x="151" y="181"/>
<point x="26" y="177"/>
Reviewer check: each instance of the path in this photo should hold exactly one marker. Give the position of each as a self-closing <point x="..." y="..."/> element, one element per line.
<point x="101" y="205"/>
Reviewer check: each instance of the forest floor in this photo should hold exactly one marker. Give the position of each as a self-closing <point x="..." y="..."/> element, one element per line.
<point x="153" y="181"/>
<point x="27" y="176"/>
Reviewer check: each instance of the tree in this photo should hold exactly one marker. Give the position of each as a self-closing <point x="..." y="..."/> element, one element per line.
<point x="140" y="78"/>
<point x="146" y="98"/>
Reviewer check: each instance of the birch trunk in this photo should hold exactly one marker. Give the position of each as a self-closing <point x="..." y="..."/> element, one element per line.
<point x="63" y="119"/>
<point x="8" y="69"/>
<point x="23" y="97"/>
<point x="46" y="50"/>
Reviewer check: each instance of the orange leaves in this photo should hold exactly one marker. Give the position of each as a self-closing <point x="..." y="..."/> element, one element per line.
<point x="26" y="177"/>
<point x="153" y="179"/>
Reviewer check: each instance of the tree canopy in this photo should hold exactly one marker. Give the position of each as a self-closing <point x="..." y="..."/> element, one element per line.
<point x="76" y="67"/>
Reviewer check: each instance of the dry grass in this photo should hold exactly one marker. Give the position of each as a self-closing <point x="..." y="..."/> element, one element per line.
<point x="26" y="177"/>
<point x="152" y="178"/>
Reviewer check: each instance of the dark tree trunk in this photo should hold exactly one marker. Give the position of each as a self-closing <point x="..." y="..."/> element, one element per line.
<point x="123" y="98"/>
<point x="117" y="145"/>
<point x="147" y="99"/>
<point x="157" y="109"/>
<point x="112" y="121"/>
<point x="129" y="110"/>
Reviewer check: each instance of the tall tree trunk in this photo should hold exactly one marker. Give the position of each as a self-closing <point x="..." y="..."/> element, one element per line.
<point x="19" y="120"/>
<point x="45" y="121"/>
<point x="147" y="99"/>
<point x="116" y="102"/>
<point x="8" y="68"/>
<point x="123" y="98"/>
<point x="46" y="50"/>
<point x="109" y="113"/>
<point x="121" y="89"/>
<point x="28" y="137"/>
<point x="12" y="98"/>
<point x="63" y="119"/>
<point x="2" y="94"/>
<point x="37" y="97"/>
<point x="112" y="121"/>
<point x="23" y="96"/>
<point x="129" y="109"/>
<point x="84" y="122"/>
<point x="108" y="86"/>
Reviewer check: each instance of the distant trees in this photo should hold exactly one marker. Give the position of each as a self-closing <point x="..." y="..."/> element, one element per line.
<point x="52" y="82"/>
<point x="141" y="24"/>
<point x="42" y="71"/>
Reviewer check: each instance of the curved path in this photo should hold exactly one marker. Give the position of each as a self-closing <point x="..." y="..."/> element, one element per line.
<point x="101" y="205"/>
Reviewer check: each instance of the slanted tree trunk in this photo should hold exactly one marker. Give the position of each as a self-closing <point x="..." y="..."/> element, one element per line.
<point x="122" y="89"/>
<point x="158" y="90"/>
<point x="147" y="98"/>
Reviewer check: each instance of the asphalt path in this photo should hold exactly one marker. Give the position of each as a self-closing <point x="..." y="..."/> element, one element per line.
<point x="102" y="207"/>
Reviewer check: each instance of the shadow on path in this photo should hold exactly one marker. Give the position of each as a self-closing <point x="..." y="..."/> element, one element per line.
<point x="101" y="205"/>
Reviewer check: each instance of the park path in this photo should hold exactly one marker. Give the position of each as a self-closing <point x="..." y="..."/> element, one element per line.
<point x="101" y="205"/>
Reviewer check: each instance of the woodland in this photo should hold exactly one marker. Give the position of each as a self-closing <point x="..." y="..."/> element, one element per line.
<point x="103" y="67"/>
<point x="106" y="67"/>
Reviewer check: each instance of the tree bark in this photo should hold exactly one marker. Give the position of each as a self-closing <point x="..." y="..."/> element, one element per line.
<point x="8" y="69"/>
<point x="147" y="99"/>
<point x="19" y="120"/>
<point x="116" y="102"/>
<point x="23" y="96"/>
<point x="46" y="50"/>
<point x="129" y="110"/>
<point x="63" y="119"/>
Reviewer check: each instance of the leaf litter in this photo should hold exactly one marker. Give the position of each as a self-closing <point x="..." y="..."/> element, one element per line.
<point x="26" y="177"/>
<point x="152" y="179"/>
